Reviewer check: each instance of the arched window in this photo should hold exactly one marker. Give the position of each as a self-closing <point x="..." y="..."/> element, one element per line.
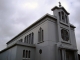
<point x="32" y="38"/>
<point x="21" y="40"/>
<point x="66" y="19"/>
<point x="25" y="39"/>
<point x="29" y="38"/>
<point x="40" y="35"/>
<point x="26" y="54"/>
<point x="29" y="54"/>
<point x="63" y="18"/>
<point x="23" y="53"/>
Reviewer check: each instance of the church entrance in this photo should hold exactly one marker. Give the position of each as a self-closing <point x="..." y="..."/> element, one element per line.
<point x="70" y="55"/>
<point x="66" y="54"/>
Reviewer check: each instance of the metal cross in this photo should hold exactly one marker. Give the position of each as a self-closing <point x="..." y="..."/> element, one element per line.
<point x="59" y="4"/>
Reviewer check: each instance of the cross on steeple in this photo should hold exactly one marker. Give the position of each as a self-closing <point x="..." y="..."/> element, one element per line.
<point x="59" y="4"/>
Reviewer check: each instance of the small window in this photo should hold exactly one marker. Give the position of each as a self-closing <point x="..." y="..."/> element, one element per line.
<point x="25" y="39"/>
<point x="26" y="54"/>
<point x="40" y="35"/>
<point x="23" y="53"/>
<point x="20" y="40"/>
<point x="32" y="38"/>
<point x="66" y="19"/>
<point x="40" y="51"/>
<point x="29" y="38"/>
<point x="29" y="54"/>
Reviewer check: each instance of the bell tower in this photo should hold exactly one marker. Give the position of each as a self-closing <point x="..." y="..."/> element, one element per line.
<point x="66" y="43"/>
<point x="61" y="13"/>
<point x="63" y="24"/>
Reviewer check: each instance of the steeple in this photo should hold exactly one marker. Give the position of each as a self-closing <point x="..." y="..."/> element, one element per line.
<point x="61" y="13"/>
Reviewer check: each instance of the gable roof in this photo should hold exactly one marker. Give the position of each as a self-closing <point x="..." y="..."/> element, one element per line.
<point x="43" y="17"/>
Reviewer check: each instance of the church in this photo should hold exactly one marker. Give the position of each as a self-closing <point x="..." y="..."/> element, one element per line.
<point x="51" y="37"/>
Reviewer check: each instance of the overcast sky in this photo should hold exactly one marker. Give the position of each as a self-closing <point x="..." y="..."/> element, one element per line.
<point x="16" y="15"/>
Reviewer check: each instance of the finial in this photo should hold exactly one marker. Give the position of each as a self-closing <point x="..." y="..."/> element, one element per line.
<point x="59" y="4"/>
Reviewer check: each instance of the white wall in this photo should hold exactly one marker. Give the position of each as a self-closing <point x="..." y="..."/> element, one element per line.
<point x="9" y="54"/>
<point x="20" y="49"/>
<point x="48" y="46"/>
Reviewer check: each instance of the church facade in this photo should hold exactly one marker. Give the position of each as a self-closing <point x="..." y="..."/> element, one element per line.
<point x="52" y="37"/>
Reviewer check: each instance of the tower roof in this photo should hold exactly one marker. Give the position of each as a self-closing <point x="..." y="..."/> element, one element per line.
<point x="60" y="7"/>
